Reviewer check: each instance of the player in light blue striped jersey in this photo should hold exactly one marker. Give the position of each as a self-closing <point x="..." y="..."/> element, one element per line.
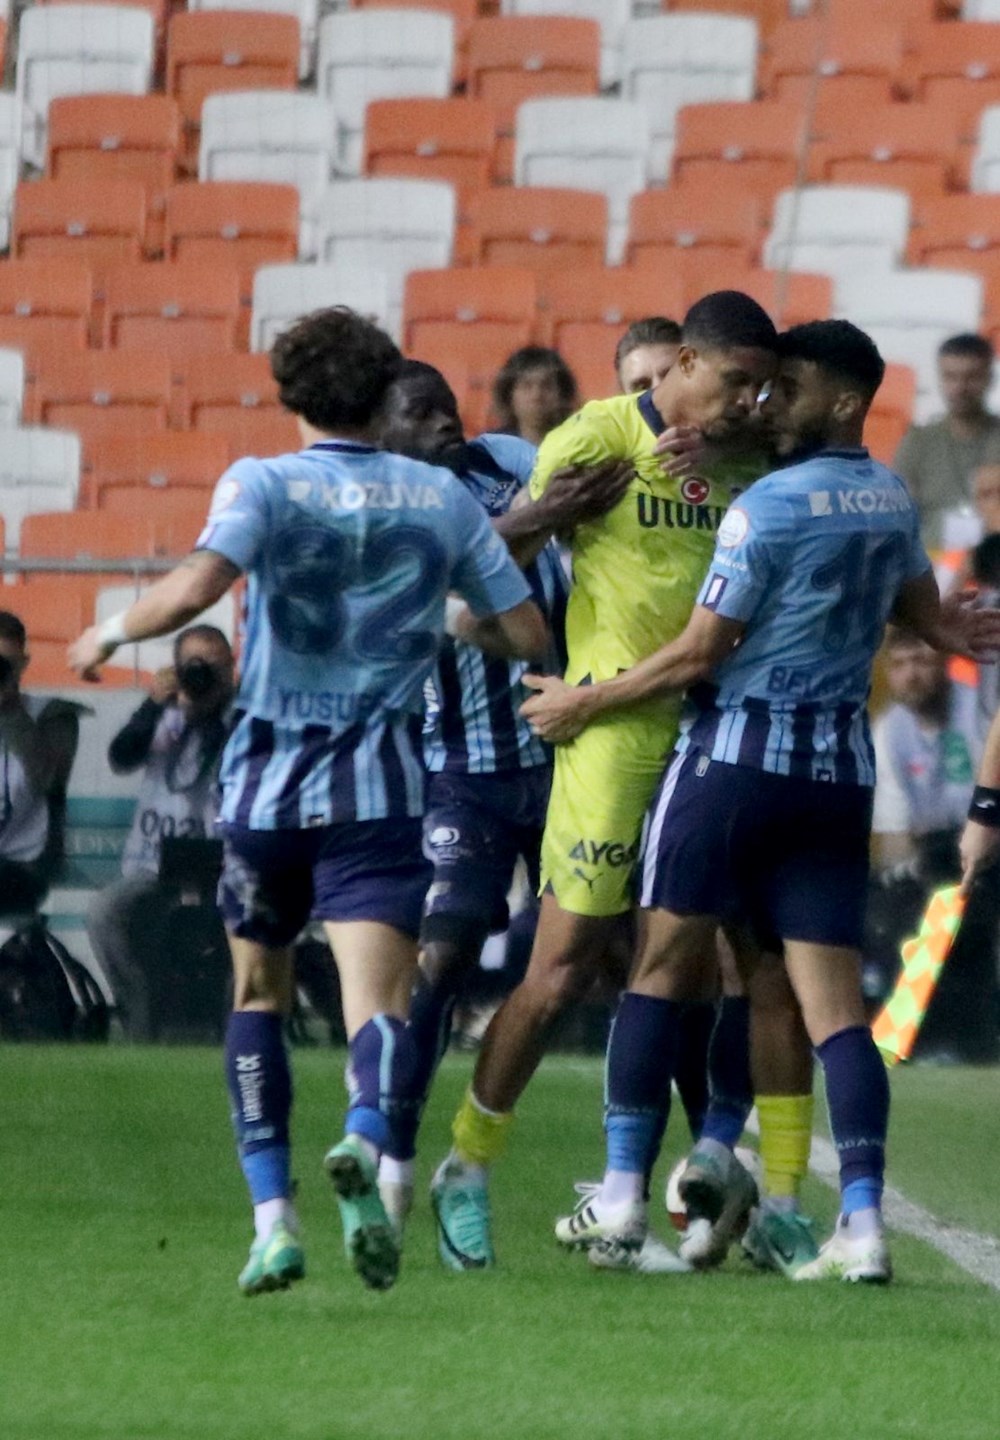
<point x="350" y="554"/>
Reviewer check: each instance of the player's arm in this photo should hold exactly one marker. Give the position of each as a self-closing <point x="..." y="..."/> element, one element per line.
<point x="494" y="609"/>
<point x="573" y="495"/>
<point x="980" y="842"/>
<point x="517" y="634"/>
<point x="558" y="712"/>
<point x="953" y="625"/>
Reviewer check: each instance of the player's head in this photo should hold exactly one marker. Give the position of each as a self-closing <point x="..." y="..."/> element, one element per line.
<point x="645" y="353"/>
<point x="333" y="368"/>
<point x="727" y="353"/>
<point x="13" y="655"/>
<point x="916" y="675"/>
<point x="827" y="377"/>
<point x="534" y="391"/>
<point x="419" y="417"/>
<point x="965" y="370"/>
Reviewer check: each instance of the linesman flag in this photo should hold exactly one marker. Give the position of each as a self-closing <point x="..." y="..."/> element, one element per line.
<point x="897" y="1024"/>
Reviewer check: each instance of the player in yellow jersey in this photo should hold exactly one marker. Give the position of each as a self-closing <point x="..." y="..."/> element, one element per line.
<point x="636" y="573"/>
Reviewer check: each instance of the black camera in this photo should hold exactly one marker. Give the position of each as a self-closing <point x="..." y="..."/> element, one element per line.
<point x="197" y="678"/>
<point x="6" y="670"/>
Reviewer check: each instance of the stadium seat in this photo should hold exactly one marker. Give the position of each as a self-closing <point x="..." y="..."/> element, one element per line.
<point x="908" y="313"/>
<point x="764" y="138"/>
<point x="56" y="609"/>
<point x="180" y="465"/>
<point x="305" y="12"/>
<point x="10" y="160"/>
<point x="227" y="51"/>
<point x="767" y="13"/>
<point x="854" y="65"/>
<point x="957" y="68"/>
<point x="39" y="470"/>
<point x="172" y="309"/>
<point x="11" y="389"/>
<point x="233" y="224"/>
<point x="99" y="391"/>
<point x="961" y="232"/>
<point x="519" y="57"/>
<point x="986" y="160"/>
<point x="45" y="308"/>
<point x="891" y="412"/>
<point x="85" y="535"/>
<point x="611" y="15"/>
<point x="694" y="215"/>
<point x="99" y="223"/>
<point x="239" y="401"/>
<point x="582" y="313"/>
<point x="838" y="229"/>
<point x="476" y="314"/>
<point x="538" y="228"/>
<point x="79" y="50"/>
<point x="674" y="60"/>
<point x="268" y="135"/>
<point x="790" y="296"/>
<point x="391" y="225"/>
<point x="379" y="54"/>
<point x="97" y="138"/>
<point x="586" y="144"/>
<point x="908" y="146"/>
<point x="281" y="293"/>
<point x="462" y="12"/>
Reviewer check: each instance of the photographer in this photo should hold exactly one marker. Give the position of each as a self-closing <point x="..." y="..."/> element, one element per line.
<point x="38" y="740"/>
<point x="177" y="735"/>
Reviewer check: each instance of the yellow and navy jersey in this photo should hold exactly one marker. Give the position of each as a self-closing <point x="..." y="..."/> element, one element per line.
<point x="638" y="569"/>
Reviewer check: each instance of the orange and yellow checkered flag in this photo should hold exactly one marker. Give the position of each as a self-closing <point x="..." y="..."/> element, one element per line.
<point x="896" y="1025"/>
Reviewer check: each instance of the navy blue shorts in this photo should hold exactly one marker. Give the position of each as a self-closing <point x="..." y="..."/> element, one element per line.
<point x="787" y="856"/>
<point x="274" y="881"/>
<point x="475" y="828"/>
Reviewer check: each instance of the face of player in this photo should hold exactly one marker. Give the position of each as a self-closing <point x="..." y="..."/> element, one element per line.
<point x="537" y="404"/>
<point x="964" y="381"/>
<point x="916" y="676"/>
<point x="644" y="367"/>
<point x="421" y="420"/>
<point x="986" y="494"/>
<point x="719" y="388"/>
<point x="802" y="408"/>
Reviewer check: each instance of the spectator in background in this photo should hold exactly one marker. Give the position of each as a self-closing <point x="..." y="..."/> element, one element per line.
<point x="645" y="353"/>
<point x="938" y="460"/>
<point x="176" y="736"/>
<point x="38" y="740"/>
<point x="533" y="393"/>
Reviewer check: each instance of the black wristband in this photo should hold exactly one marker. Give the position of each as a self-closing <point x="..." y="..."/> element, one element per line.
<point x="985" y="807"/>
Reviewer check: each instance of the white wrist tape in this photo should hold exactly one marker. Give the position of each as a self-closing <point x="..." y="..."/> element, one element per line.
<point x="453" y="608"/>
<point x="112" y="631"/>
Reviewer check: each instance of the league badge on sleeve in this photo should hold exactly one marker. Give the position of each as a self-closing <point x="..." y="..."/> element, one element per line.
<point x="735" y="527"/>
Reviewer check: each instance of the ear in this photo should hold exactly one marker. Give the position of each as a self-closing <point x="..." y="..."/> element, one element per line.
<point x="849" y="405"/>
<point x="687" y="357"/>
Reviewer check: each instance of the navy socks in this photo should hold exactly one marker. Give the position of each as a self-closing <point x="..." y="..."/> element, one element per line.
<point x="640" y="1062"/>
<point x="260" y="1090"/>
<point x="857" y="1093"/>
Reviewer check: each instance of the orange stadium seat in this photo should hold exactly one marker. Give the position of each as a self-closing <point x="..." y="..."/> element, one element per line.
<point x="211" y="50"/>
<point x="117" y="137"/>
<point x="169" y="468"/>
<point x="239" y="224"/>
<point x="97" y="392"/>
<point x="891" y="412"/>
<point x="764" y="138"/>
<point x="790" y="297"/>
<point x="582" y="313"/>
<point x="957" y="67"/>
<point x="45" y="308"/>
<point x="909" y="146"/>
<point x="858" y="64"/>
<point x="84" y="535"/>
<point x="694" y="215"/>
<point x="98" y="222"/>
<point x="172" y="308"/>
<point x="475" y="313"/>
<point x="430" y="139"/>
<point x="236" y="396"/>
<point x="176" y="517"/>
<point x="767" y="13"/>
<point x="56" y="609"/>
<point x="538" y="227"/>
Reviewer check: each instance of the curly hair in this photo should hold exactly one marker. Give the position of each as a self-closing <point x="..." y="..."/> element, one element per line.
<point x="333" y="368"/>
<point x="531" y="357"/>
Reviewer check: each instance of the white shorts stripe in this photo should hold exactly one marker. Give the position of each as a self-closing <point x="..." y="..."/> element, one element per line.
<point x="657" y="818"/>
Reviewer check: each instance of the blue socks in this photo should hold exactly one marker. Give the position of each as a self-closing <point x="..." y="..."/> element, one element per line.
<point x="260" y="1090"/>
<point x="730" y="1085"/>
<point x="640" y="1062"/>
<point x="383" y="1069"/>
<point x="429" y="1026"/>
<point x="857" y="1094"/>
<point x="691" y="1070"/>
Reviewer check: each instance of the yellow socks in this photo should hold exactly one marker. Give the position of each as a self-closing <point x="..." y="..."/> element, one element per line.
<point x="479" y="1134"/>
<point x="785" y="1137"/>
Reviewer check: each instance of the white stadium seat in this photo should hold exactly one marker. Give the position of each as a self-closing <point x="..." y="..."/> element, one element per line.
<point x="586" y="144"/>
<point x="838" y="229"/>
<point x="908" y="313"/>
<point x="272" y="135"/>
<point x="611" y="15"/>
<point x="391" y="225"/>
<point x="986" y="160"/>
<point x="306" y="12"/>
<point x="79" y="50"/>
<point x="39" y="471"/>
<point x="11" y="387"/>
<point x="674" y="60"/>
<point x="153" y="655"/>
<point x="380" y="55"/>
<point x="10" y="160"/>
<point x="281" y="293"/>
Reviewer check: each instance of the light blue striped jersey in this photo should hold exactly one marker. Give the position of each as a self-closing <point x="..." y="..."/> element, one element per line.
<point x="350" y="553"/>
<point x="472" y="725"/>
<point x="812" y="558"/>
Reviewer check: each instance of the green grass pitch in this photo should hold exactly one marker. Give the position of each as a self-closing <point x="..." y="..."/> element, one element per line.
<point x="125" y="1224"/>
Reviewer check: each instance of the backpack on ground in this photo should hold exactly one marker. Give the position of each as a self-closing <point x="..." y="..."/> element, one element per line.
<point x="45" y="993"/>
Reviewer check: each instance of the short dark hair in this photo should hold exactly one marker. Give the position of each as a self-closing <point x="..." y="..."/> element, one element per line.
<point x="728" y="318"/>
<point x="417" y="370"/>
<point x="333" y="368"/>
<point x="839" y="348"/>
<point x="530" y="357"/>
<point x="653" y="330"/>
<point x="12" y="628"/>
<point x="973" y="347"/>
<point x="985" y="562"/>
<point x="199" y="632"/>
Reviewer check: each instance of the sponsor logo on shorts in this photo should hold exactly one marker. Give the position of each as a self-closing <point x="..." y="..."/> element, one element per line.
<point x="605" y="852"/>
<point x="695" y="490"/>
<point x="443" y="835"/>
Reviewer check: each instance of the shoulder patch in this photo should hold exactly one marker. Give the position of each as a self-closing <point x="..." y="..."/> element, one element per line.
<point x="735" y="527"/>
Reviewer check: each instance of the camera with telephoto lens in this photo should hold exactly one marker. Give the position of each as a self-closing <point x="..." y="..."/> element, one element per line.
<point x="197" y="678"/>
<point x="6" y="670"/>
